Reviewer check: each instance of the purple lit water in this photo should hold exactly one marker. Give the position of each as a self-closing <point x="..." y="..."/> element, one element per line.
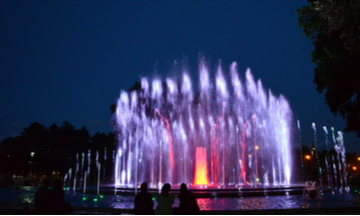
<point x="26" y="196"/>
<point x="244" y="129"/>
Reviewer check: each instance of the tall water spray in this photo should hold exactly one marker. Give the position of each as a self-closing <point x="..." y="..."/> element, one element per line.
<point x="228" y="133"/>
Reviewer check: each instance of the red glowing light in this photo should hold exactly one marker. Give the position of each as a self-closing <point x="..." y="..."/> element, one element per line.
<point x="214" y="153"/>
<point x="243" y="147"/>
<point x="201" y="166"/>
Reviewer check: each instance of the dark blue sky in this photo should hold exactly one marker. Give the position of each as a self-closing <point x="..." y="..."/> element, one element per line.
<point x="68" y="60"/>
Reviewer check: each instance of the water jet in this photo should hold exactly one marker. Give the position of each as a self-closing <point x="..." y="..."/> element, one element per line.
<point x="228" y="133"/>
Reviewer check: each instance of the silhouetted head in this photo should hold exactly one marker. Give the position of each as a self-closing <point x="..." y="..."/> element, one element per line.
<point x="183" y="188"/>
<point x="58" y="183"/>
<point x="144" y="187"/>
<point x="166" y="188"/>
<point x="46" y="182"/>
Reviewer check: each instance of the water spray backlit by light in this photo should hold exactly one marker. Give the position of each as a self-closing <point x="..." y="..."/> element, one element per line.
<point x="230" y="132"/>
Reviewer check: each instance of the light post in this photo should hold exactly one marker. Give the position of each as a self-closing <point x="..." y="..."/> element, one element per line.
<point x="32" y="160"/>
<point x="256" y="166"/>
<point x="307" y="161"/>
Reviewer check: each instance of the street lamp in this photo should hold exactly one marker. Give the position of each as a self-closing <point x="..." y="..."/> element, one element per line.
<point x="32" y="159"/>
<point x="256" y="165"/>
<point x="307" y="168"/>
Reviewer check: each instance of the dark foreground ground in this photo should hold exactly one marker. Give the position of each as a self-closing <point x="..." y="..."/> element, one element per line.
<point x="10" y="209"/>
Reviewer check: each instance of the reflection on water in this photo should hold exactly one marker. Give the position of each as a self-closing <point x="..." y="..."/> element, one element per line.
<point x="279" y="202"/>
<point x="122" y="202"/>
<point x="248" y="203"/>
<point x="27" y="194"/>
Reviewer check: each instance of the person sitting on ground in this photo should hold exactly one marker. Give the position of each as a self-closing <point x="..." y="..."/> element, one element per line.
<point x="57" y="194"/>
<point x="143" y="204"/>
<point x="57" y="200"/>
<point x="165" y="201"/>
<point x="42" y="196"/>
<point x="188" y="204"/>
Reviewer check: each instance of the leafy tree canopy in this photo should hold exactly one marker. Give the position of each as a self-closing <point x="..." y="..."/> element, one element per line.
<point x="333" y="26"/>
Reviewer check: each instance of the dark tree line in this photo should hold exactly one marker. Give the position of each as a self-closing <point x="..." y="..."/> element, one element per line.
<point x="55" y="149"/>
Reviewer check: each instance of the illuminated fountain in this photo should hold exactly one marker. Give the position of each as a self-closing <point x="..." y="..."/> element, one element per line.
<point x="229" y="133"/>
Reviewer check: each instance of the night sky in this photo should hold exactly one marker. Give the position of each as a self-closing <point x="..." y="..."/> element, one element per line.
<point x="68" y="60"/>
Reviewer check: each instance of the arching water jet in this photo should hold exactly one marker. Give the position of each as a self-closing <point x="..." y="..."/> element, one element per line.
<point x="227" y="133"/>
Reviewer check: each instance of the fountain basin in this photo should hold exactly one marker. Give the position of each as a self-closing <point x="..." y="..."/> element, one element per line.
<point x="285" y="204"/>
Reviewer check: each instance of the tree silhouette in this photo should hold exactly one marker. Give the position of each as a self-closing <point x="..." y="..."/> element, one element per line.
<point x="333" y="27"/>
<point x="55" y="148"/>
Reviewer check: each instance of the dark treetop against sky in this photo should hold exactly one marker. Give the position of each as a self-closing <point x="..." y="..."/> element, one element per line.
<point x="68" y="60"/>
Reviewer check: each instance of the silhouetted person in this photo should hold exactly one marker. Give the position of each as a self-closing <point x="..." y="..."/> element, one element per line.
<point x="165" y="201"/>
<point x="57" y="193"/>
<point x="188" y="204"/>
<point x="143" y="204"/>
<point x="42" y="196"/>
<point x="57" y="200"/>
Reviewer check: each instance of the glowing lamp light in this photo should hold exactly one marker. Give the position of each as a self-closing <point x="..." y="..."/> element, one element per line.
<point x="257" y="179"/>
<point x="256" y="147"/>
<point x="32" y="154"/>
<point x="358" y="158"/>
<point x="249" y="155"/>
<point x="95" y="200"/>
<point x="101" y="196"/>
<point x="153" y="199"/>
<point x="354" y="168"/>
<point x="307" y="157"/>
<point x="84" y="198"/>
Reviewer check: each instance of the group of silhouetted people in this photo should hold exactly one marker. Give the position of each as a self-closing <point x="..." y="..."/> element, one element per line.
<point x="144" y="203"/>
<point x="51" y="199"/>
